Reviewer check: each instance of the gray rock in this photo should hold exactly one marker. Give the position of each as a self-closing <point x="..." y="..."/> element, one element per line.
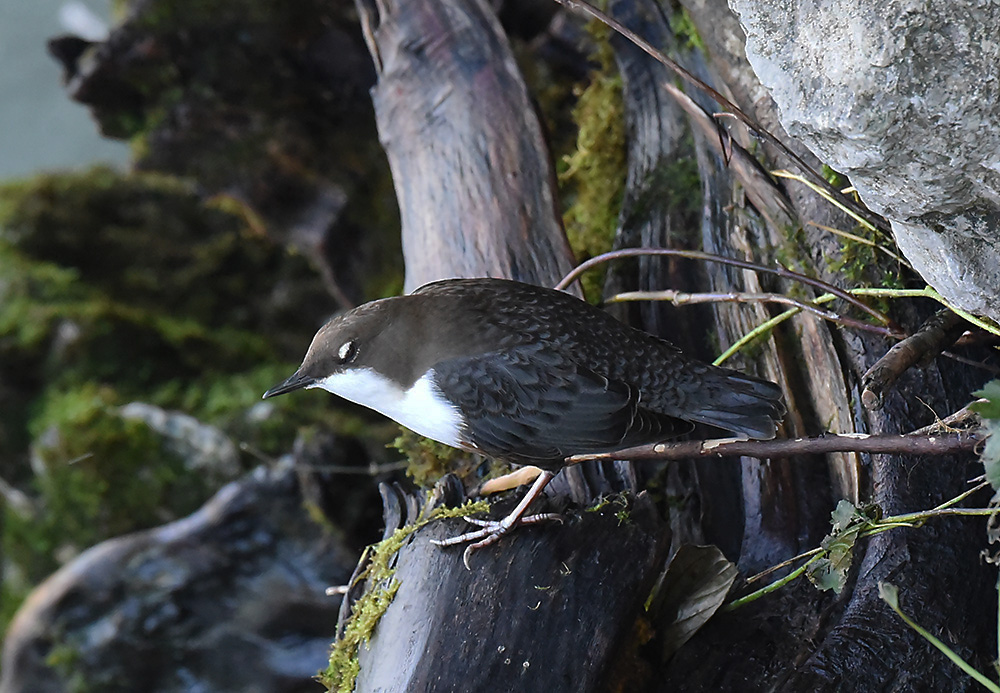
<point x="204" y="448"/>
<point x="903" y="97"/>
<point x="231" y="598"/>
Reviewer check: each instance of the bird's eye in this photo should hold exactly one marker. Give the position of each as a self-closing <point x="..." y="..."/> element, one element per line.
<point x="348" y="351"/>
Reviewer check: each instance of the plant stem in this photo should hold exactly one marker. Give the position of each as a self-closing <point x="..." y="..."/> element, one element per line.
<point x="753" y="596"/>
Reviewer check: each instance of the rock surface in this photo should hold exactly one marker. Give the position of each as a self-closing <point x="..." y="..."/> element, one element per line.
<point x="904" y="98"/>
<point x="228" y="599"/>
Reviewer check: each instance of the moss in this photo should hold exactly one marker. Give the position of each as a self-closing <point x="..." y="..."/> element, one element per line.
<point x="116" y="288"/>
<point x="837" y="180"/>
<point x="232" y="402"/>
<point x="672" y="187"/>
<point x="429" y="460"/>
<point x="380" y="589"/>
<point x="861" y="264"/>
<point x="96" y="476"/>
<point x="65" y="659"/>
<point x="146" y="239"/>
<point x="593" y="176"/>
<point x="686" y="32"/>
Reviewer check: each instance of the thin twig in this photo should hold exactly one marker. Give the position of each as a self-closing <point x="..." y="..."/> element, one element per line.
<point x="962" y="419"/>
<point x="965" y="441"/>
<point x="936" y="334"/>
<point x="918" y="517"/>
<point x="890" y="329"/>
<point x="927" y="292"/>
<point x="680" y="298"/>
<point x="771" y="587"/>
<point x="726" y="103"/>
<point x="864" y="529"/>
<point x="794" y="559"/>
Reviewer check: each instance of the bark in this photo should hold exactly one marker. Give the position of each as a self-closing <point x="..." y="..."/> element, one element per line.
<point x="552" y="610"/>
<point x="468" y="159"/>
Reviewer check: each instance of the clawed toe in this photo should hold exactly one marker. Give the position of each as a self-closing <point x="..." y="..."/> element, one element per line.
<point x="493" y="530"/>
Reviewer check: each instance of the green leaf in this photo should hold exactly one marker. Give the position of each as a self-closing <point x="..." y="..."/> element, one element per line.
<point x="830" y="572"/>
<point x="990" y="456"/>
<point x="843" y="515"/>
<point x="991" y="408"/>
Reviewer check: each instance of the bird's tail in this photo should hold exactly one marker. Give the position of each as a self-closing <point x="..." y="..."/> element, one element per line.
<point x="742" y="404"/>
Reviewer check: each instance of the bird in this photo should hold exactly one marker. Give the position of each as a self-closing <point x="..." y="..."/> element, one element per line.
<point x="524" y="374"/>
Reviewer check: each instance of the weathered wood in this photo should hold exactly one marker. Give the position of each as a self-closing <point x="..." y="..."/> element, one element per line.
<point x="759" y="512"/>
<point x="550" y="608"/>
<point x="798" y="639"/>
<point x="471" y="168"/>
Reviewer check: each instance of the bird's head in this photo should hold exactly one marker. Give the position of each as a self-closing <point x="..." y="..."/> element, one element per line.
<point x="354" y="341"/>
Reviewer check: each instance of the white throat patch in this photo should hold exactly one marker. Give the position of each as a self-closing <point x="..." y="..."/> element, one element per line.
<point x="422" y="408"/>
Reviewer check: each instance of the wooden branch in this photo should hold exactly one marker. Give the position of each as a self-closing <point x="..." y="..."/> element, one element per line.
<point x="469" y="161"/>
<point x="936" y="334"/>
<point x="965" y="441"/>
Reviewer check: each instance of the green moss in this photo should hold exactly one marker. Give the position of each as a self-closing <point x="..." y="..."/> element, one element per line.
<point x="429" y="460"/>
<point x="380" y="589"/>
<point x="672" y="187"/>
<point x="115" y="288"/>
<point x="146" y="239"/>
<point x="232" y="402"/>
<point x="685" y="30"/>
<point x="593" y="176"/>
<point x="837" y="180"/>
<point x="65" y="658"/>
<point x="861" y="264"/>
<point x="97" y="475"/>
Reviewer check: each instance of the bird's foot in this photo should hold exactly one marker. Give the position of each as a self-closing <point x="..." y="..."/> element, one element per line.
<point x="493" y="530"/>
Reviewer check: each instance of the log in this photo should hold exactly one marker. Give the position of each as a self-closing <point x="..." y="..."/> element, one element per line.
<point x="469" y="162"/>
<point x="552" y="609"/>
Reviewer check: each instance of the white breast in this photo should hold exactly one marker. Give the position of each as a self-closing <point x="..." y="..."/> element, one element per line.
<point x="422" y="408"/>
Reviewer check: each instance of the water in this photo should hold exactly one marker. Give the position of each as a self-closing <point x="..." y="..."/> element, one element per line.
<point x="40" y="128"/>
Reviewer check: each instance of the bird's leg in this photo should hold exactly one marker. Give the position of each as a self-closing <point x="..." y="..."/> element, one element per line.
<point x="519" y="477"/>
<point x="493" y="530"/>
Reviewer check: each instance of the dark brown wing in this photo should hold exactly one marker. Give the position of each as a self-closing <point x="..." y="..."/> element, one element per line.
<point x="529" y="404"/>
<point x="672" y="385"/>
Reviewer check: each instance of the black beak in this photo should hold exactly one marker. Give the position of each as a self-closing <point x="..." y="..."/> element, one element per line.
<point x="297" y="381"/>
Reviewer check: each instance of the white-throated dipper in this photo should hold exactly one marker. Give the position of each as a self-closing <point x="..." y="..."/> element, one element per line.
<point x="525" y="374"/>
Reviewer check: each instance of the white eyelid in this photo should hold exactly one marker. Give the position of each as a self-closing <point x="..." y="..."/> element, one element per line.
<point x="345" y="350"/>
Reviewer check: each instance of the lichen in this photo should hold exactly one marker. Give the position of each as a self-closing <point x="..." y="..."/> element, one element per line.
<point x="381" y="587"/>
